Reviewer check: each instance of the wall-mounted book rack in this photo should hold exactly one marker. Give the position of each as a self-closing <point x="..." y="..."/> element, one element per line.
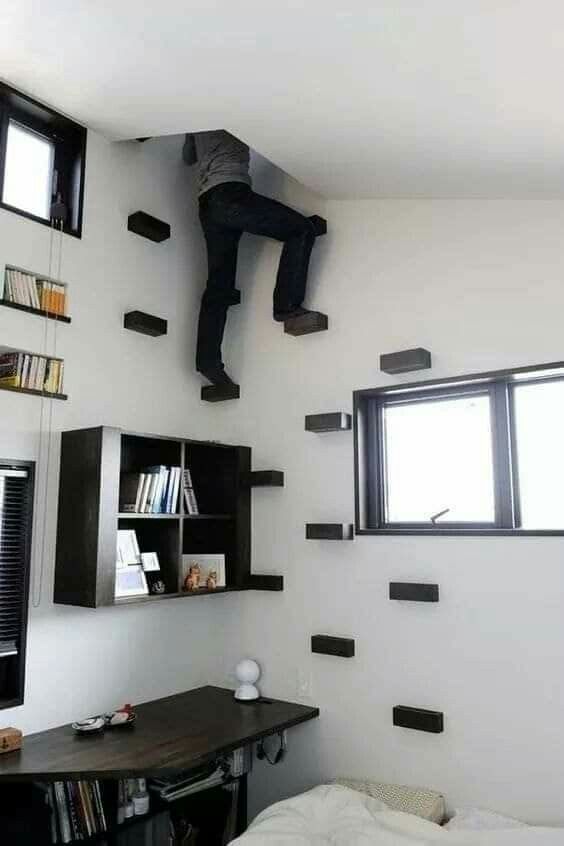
<point x="34" y="293"/>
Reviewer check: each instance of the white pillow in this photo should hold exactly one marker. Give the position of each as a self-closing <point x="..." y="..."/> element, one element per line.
<point x="476" y="819"/>
<point x="427" y="804"/>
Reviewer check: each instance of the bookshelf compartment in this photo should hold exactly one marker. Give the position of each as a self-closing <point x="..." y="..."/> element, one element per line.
<point x="163" y="537"/>
<point x="139" y="452"/>
<point x="214" y="476"/>
<point x="212" y="537"/>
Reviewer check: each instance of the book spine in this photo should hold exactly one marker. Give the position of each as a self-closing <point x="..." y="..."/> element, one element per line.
<point x="64" y="822"/>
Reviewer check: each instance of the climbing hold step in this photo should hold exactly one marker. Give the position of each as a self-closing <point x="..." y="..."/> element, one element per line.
<point x="319" y="225"/>
<point x="305" y="324"/>
<point x="219" y="393"/>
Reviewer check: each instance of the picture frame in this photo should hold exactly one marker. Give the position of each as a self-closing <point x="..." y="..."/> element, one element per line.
<point x="207" y="562"/>
<point x="150" y="562"/>
<point x="127" y="551"/>
<point x="131" y="581"/>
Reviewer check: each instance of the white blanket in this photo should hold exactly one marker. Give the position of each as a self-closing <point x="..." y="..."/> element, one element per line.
<point x="331" y="815"/>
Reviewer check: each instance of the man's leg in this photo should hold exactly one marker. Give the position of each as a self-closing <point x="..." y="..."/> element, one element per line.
<point x="222" y="244"/>
<point x="237" y="206"/>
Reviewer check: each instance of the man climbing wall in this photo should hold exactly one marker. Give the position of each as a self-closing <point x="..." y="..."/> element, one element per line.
<point x="229" y="207"/>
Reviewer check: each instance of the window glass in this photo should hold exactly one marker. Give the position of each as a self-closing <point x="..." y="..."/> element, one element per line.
<point x="28" y="173"/>
<point x="438" y="455"/>
<point x="539" y="426"/>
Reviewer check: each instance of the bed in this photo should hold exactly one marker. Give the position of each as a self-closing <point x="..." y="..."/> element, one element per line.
<point x="343" y="815"/>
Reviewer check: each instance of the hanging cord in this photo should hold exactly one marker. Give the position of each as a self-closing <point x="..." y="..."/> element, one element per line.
<point x="46" y="434"/>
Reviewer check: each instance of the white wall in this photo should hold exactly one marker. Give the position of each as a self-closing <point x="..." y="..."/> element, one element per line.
<point x="81" y="661"/>
<point x="480" y="285"/>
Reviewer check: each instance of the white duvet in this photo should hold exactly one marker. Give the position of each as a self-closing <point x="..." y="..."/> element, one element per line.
<point x="331" y="815"/>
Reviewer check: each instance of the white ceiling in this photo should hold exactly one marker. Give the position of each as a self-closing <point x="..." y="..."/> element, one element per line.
<point x="358" y="98"/>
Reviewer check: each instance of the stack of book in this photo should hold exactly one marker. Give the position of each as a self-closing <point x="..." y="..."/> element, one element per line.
<point x="29" y="290"/>
<point x="77" y="810"/>
<point x="35" y="372"/>
<point x="155" y="490"/>
<point x="189" y="495"/>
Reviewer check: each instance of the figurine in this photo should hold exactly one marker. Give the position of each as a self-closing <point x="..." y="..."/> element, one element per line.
<point x="192" y="580"/>
<point x="228" y="208"/>
<point x="211" y="581"/>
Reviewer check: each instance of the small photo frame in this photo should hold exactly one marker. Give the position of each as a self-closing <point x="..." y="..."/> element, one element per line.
<point x="131" y="581"/>
<point x="207" y="564"/>
<point x="150" y="562"/>
<point x="127" y="548"/>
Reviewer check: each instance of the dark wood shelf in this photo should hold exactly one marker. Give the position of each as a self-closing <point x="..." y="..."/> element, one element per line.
<point x="34" y="393"/>
<point x="131" y="600"/>
<point x="207" y="517"/>
<point x="61" y="318"/>
<point x="334" y="421"/>
<point x="137" y="515"/>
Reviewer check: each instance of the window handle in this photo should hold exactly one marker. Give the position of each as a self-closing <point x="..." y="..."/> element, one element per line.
<point x="436" y="516"/>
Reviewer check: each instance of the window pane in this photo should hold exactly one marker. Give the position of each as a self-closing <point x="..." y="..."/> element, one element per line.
<point x="28" y="174"/>
<point x="438" y="455"/>
<point x="539" y="423"/>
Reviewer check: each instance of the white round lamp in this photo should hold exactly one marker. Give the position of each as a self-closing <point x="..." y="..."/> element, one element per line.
<point x="248" y="674"/>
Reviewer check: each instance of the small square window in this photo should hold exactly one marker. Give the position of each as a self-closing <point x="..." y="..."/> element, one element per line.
<point x="28" y="171"/>
<point x="438" y="461"/>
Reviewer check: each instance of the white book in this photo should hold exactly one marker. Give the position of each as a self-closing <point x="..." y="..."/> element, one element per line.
<point x="60" y="373"/>
<point x="176" y="489"/>
<point x="153" y="482"/>
<point x="34" y="294"/>
<point x="142" y="477"/>
<point x="25" y="370"/>
<point x="64" y="822"/>
<point x="32" y="372"/>
<point x="145" y="493"/>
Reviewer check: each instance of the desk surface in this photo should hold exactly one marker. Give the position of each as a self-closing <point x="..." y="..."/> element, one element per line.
<point x="171" y="734"/>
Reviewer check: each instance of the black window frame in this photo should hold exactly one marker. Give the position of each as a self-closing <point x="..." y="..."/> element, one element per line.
<point x="69" y="139"/>
<point x="369" y="452"/>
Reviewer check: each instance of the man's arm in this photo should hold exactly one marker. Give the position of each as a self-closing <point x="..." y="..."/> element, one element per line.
<point x="189" y="150"/>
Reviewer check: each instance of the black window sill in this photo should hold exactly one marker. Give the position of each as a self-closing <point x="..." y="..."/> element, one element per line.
<point x="420" y="532"/>
<point x="76" y="233"/>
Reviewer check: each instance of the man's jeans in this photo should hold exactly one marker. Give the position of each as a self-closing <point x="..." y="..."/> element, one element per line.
<point x="227" y="211"/>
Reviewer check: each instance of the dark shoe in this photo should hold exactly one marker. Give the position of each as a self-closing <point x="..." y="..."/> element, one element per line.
<point x="283" y="316"/>
<point x="319" y="225"/>
<point x="217" y="376"/>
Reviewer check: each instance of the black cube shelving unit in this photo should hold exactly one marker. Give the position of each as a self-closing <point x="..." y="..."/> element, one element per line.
<point x="333" y="421"/>
<point x="92" y="461"/>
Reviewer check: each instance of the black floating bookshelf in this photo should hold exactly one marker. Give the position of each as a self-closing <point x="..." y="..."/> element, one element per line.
<point x="334" y="421"/>
<point x="419" y="719"/>
<point x="414" y="592"/>
<point x="148" y="226"/>
<point x="306" y="324"/>
<point x="265" y="582"/>
<point x="405" y="361"/>
<point x="61" y="318"/>
<point x="341" y="647"/>
<point x="34" y="393"/>
<point x="220" y="393"/>
<point x="329" y="531"/>
<point x="265" y="479"/>
<point x="145" y="324"/>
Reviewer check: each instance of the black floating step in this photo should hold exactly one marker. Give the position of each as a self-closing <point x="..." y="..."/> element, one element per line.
<point x="334" y="421"/>
<point x="319" y="225"/>
<point x="148" y="227"/>
<point x="342" y="647"/>
<point x="419" y="719"/>
<point x="146" y="324"/>
<point x="405" y="361"/>
<point x="220" y="393"/>
<point x="265" y="479"/>
<point x="329" y="531"/>
<point x="265" y="582"/>
<point x="306" y="324"/>
<point x="414" y="592"/>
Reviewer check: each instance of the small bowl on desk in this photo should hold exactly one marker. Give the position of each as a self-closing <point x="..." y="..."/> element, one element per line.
<point x="120" y="719"/>
<point x="92" y="725"/>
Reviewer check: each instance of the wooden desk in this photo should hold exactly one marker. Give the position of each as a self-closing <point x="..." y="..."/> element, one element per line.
<point x="172" y="734"/>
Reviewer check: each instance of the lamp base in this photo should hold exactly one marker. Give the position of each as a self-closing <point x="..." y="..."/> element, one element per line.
<point x="247" y="693"/>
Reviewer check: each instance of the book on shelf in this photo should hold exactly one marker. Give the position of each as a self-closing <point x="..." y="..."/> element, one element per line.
<point x="77" y="810"/>
<point x="189" y="495"/>
<point x="154" y="490"/>
<point x="28" y="289"/>
<point x="34" y="372"/>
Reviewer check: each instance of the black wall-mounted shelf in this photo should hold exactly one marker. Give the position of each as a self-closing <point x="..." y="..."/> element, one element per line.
<point x="220" y="393"/>
<point x="61" y="318"/>
<point x="418" y="719"/>
<point x="341" y="647"/>
<point x="146" y="324"/>
<point x="34" y="393"/>
<point x="414" y="592"/>
<point x="148" y="226"/>
<point x="335" y="421"/>
<point x="329" y="531"/>
<point x="405" y="361"/>
<point x="306" y="324"/>
<point x="265" y="479"/>
<point x="265" y="582"/>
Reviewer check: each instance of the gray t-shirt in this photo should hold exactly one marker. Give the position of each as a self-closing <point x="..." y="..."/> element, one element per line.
<point x="220" y="158"/>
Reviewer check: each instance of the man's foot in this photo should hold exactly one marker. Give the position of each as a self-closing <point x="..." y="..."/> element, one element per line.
<point x="217" y="376"/>
<point x="283" y="316"/>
